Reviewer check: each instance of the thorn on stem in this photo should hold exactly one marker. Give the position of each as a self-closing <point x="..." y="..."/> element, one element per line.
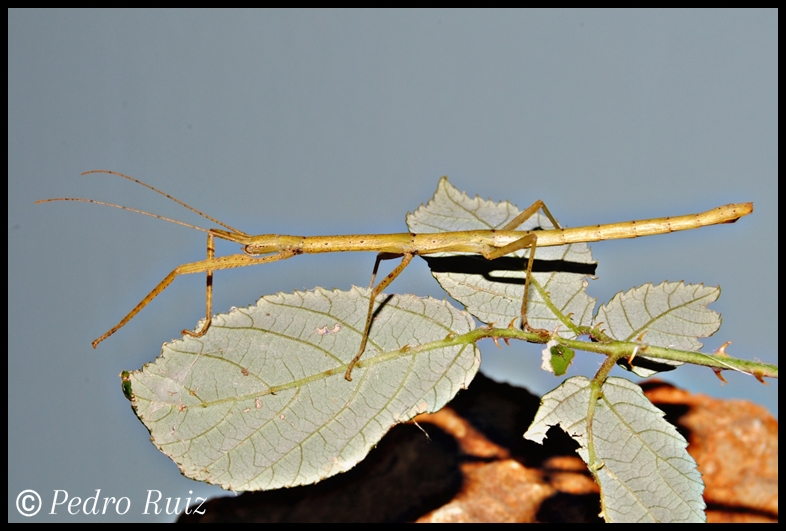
<point x="722" y="350"/>
<point x="633" y="355"/>
<point x="719" y="375"/>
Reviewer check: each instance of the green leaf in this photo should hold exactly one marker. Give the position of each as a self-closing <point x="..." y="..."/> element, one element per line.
<point x="673" y="315"/>
<point x="557" y="358"/>
<point x="260" y="402"/>
<point x="640" y="461"/>
<point x="494" y="293"/>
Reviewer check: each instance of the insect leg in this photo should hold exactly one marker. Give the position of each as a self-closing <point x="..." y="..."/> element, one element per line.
<point x="372" y="298"/>
<point x="211" y="251"/>
<point x="204" y="266"/>
<point x="528" y="213"/>
<point x="531" y="241"/>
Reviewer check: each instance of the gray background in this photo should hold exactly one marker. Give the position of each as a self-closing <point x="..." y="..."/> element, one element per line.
<point x="330" y="122"/>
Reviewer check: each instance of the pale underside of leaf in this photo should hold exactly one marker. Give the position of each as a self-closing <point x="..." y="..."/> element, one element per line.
<point x="642" y="466"/>
<point x="670" y="315"/>
<point x="261" y="402"/>
<point x="494" y="294"/>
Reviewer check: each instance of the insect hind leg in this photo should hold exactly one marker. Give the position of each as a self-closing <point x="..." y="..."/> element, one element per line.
<point x="531" y="241"/>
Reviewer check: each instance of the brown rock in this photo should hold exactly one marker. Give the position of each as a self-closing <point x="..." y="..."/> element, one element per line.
<point x="735" y="444"/>
<point x="470" y="463"/>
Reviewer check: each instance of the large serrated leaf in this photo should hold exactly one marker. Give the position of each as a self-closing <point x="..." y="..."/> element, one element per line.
<point x="261" y="402"/>
<point x="671" y="315"/>
<point x="493" y="290"/>
<point x="645" y="473"/>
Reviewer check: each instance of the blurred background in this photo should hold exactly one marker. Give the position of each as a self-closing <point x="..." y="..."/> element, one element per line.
<point x="331" y="122"/>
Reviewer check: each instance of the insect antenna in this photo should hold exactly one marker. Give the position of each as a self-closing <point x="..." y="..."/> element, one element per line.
<point x="156" y="190"/>
<point x="121" y="207"/>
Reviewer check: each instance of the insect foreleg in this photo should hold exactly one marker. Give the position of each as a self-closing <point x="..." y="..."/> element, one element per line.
<point x="204" y="266"/>
<point x="211" y="251"/>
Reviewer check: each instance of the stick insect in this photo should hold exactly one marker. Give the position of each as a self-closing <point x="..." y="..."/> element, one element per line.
<point x="491" y="244"/>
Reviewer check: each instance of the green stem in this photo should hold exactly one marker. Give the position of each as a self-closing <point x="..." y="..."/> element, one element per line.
<point x="618" y="349"/>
